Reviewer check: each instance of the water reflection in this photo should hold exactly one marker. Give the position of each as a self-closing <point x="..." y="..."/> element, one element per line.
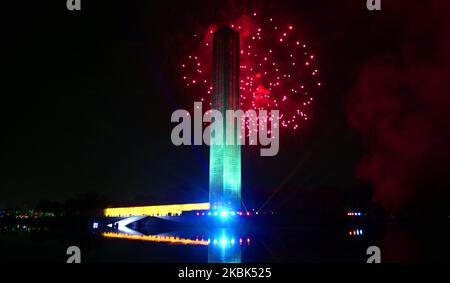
<point x="355" y="232"/>
<point x="226" y="247"/>
<point x="22" y="228"/>
<point x="154" y="238"/>
<point x="47" y="242"/>
<point x="227" y="244"/>
<point x="224" y="244"/>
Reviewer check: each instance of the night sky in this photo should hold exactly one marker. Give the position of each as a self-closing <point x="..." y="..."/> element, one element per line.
<point x="88" y="97"/>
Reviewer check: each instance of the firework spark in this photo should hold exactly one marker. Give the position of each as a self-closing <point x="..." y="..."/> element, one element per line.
<point x="278" y="71"/>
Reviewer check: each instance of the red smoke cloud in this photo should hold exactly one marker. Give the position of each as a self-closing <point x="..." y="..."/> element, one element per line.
<point x="400" y="104"/>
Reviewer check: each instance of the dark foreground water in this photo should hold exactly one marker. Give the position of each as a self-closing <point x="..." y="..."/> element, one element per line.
<point x="398" y="242"/>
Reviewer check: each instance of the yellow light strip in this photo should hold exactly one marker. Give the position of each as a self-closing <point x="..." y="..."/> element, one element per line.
<point x="159" y="239"/>
<point x="154" y="210"/>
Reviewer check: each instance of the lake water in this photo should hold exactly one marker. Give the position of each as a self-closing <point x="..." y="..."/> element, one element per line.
<point x="303" y="243"/>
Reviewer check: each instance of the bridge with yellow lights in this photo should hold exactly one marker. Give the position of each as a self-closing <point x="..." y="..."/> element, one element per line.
<point x="155" y="210"/>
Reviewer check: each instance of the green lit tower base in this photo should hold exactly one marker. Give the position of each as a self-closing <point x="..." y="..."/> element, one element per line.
<point x="225" y="160"/>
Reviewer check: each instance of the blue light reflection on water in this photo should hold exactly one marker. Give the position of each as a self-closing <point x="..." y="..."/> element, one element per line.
<point x="225" y="248"/>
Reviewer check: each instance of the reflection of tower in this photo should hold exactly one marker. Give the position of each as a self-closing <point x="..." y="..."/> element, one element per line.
<point x="225" y="247"/>
<point x="225" y="160"/>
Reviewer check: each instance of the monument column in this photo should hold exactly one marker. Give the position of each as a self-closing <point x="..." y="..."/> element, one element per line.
<point x="225" y="160"/>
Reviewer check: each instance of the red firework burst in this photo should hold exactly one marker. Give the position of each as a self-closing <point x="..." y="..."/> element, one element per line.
<point x="277" y="72"/>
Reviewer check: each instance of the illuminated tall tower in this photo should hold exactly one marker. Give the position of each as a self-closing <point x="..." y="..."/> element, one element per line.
<point x="225" y="160"/>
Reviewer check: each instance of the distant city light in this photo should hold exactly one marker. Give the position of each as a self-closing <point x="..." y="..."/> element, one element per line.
<point x="357" y="213"/>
